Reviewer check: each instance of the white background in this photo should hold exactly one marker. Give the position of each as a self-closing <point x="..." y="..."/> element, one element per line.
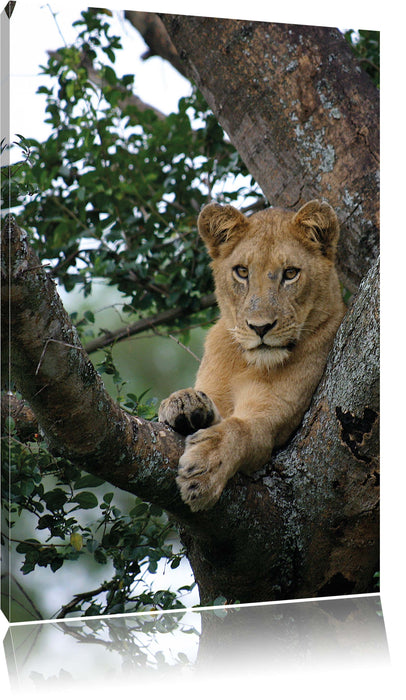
<point x="30" y="41"/>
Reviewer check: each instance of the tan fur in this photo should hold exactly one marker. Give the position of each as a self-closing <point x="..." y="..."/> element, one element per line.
<point x="281" y="305"/>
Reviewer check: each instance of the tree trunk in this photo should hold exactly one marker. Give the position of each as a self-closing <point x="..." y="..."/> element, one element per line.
<point x="306" y="525"/>
<point x="304" y="119"/>
<point x="325" y="482"/>
<point x="301" y="113"/>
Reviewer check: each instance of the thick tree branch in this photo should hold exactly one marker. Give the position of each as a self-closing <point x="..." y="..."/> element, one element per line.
<point x="55" y="376"/>
<point x="302" y="114"/>
<point x="283" y="533"/>
<point x="153" y="31"/>
<point x="79" y="418"/>
<point x="304" y="118"/>
<point x="336" y="453"/>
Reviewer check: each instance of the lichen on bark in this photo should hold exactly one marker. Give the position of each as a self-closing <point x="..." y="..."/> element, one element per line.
<point x="307" y="524"/>
<point x="301" y="114"/>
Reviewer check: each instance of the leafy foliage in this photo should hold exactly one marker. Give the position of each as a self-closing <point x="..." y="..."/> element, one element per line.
<point x="366" y="46"/>
<point x="114" y="192"/>
<point x="58" y="495"/>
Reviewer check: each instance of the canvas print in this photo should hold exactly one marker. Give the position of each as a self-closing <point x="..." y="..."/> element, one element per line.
<point x="190" y="316"/>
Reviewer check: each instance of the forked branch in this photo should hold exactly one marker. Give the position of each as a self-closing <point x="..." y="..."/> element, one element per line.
<point x="307" y="524"/>
<point x="46" y="361"/>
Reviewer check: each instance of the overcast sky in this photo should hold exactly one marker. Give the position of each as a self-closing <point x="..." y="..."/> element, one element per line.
<point x="156" y="81"/>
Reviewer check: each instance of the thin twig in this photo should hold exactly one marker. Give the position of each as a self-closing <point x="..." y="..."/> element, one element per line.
<point x="149" y="323"/>
<point x="178" y="342"/>
<point x="81" y="597"/>
<point x="52" y="340"/>
<point x="54" y="14"/>
<point x="25" y="594"/>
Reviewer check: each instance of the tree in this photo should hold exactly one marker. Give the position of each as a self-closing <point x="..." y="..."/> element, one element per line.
<point x="303" y="117"/>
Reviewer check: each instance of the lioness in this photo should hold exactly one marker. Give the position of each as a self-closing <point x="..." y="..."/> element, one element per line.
<point x="281" y="305"/>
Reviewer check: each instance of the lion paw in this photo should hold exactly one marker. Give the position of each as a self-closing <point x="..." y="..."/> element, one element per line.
<point x="187" y="411"/>
<point x="202" y="475"/>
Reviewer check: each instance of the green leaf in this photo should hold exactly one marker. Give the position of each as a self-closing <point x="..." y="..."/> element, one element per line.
<point x="27" y="546"/>
<point x="153" y="565"/>
<point x="220" y="600"/>
<point x="70" y="89"/>
<point x="89" y="316"/>
<point x="29" y="565"/>
<point x="139" y="509"/>
<point x="47" y="521"/>
<point x="108" y="497"/>
<point x="76" y="541"/>
<point x="9" y="424"/>
<point x="100" y="556"/>
<point x="56" y="563"/>
<point x="55" y="499"/>
<point x="86" y="500"/>
<point x="88" y="481"/>
<point x="92" y="545"/>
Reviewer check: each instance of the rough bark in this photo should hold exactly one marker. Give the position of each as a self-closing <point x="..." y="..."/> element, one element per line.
<point x="326" y="482"/>
<point x="42" y="353"/>
<point x="301" y="113"/>
<point x="304" y="118"/>
<point x="339" y="532"/>
<point x="305" y="525"/>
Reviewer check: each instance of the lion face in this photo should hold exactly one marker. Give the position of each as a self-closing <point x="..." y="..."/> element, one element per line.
<point x="272" y="274"/>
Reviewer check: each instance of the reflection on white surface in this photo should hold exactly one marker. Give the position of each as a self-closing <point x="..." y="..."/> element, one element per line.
<point x="196" y="646"/>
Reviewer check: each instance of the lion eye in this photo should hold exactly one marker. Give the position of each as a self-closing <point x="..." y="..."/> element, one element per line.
<point x="241" y="272"/>
<point x="290" y="273"/>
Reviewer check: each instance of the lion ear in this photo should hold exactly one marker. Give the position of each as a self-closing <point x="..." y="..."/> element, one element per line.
<point x="320" y="224"/>
<point x="221" y="227"/>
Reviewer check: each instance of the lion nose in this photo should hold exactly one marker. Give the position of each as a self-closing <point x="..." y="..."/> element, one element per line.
<point x="262" y="330"/>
